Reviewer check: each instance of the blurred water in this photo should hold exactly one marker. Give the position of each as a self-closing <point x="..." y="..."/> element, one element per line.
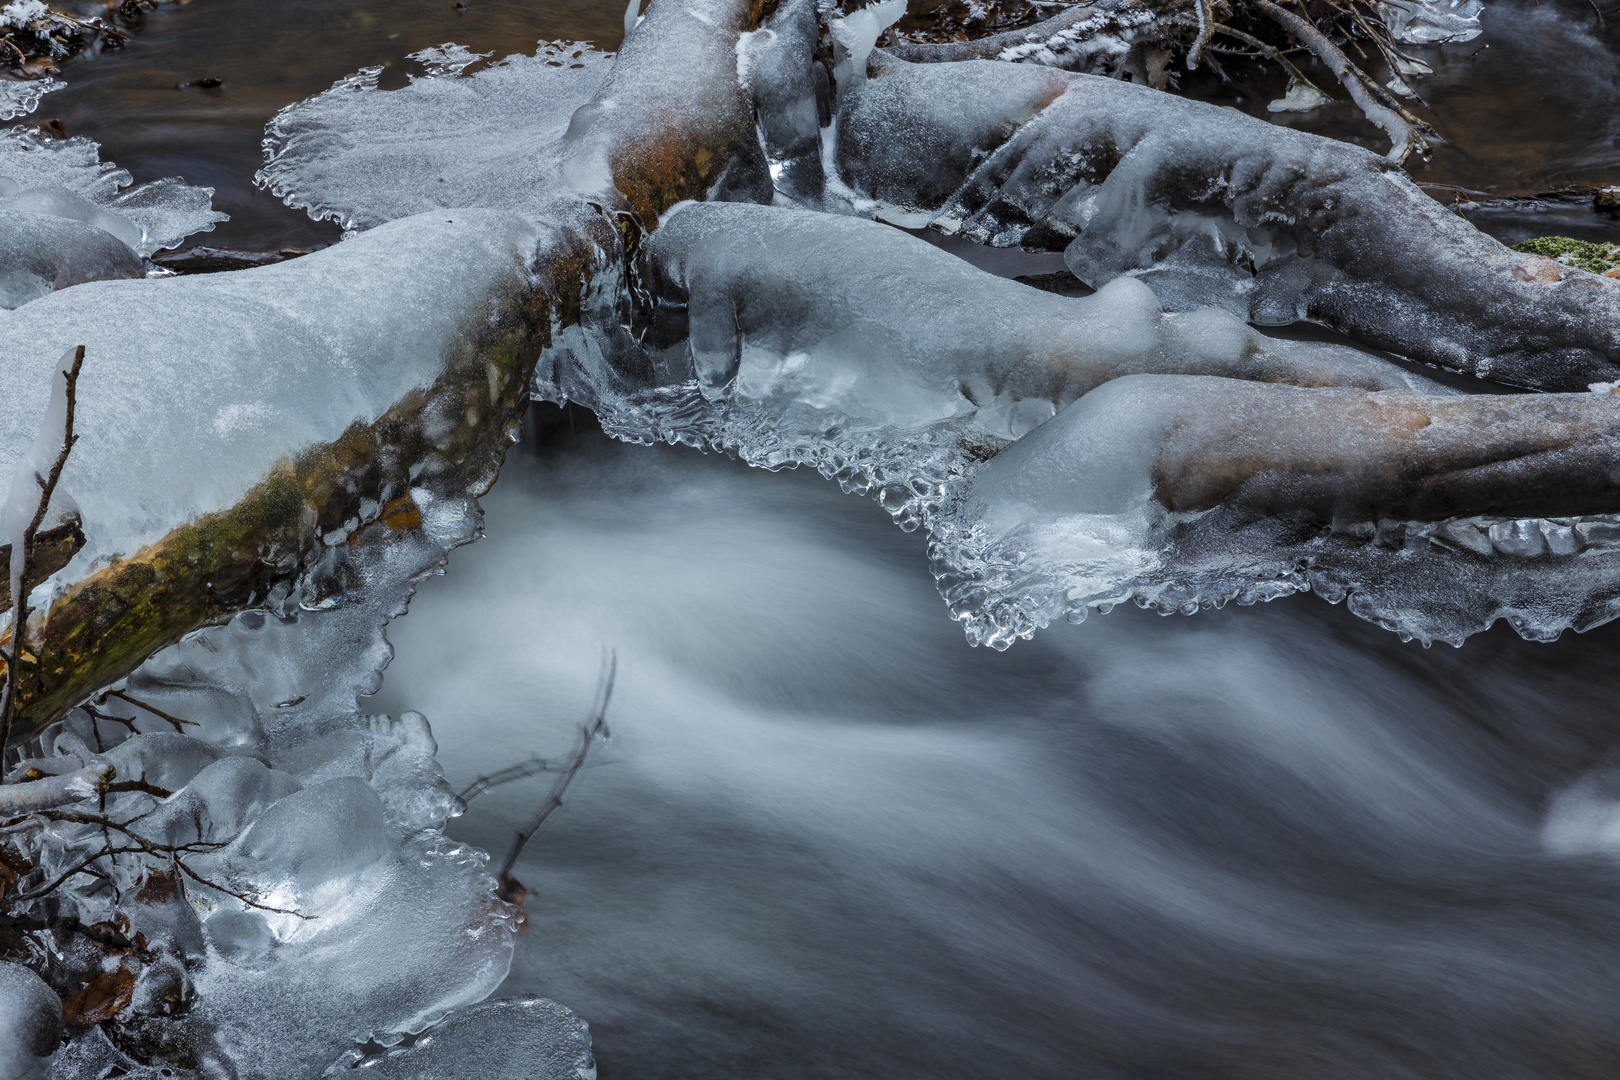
<point x="829" y="839"/>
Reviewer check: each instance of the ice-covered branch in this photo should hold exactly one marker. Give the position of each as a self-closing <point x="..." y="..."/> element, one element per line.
<point x="1406" y="132"/>
<point x="48" y="792"/>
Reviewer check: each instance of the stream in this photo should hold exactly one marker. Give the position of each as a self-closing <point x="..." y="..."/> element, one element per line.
<point x="828" y="838"/>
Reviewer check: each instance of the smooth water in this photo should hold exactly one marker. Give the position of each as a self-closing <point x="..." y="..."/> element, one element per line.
<point x="828" y="839"/>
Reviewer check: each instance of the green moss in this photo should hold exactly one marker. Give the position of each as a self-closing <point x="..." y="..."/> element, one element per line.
<point x="1597" y="258"/>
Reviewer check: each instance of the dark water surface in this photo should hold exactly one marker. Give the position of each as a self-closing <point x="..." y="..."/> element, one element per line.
<point x="830" y="840"/>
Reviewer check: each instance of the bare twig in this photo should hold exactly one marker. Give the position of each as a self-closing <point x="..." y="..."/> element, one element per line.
<point x="19" y="601"/>
<point x="594" y="728"/>
<point x="1270" y="52"/>
<point x="521" y="771"/>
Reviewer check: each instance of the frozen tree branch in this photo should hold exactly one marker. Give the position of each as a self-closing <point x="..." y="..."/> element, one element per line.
<point x="1406" y="132"/>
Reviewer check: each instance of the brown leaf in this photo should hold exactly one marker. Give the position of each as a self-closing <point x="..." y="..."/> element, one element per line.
<point x="100" y="999"/>
<point x="157" y="887"/>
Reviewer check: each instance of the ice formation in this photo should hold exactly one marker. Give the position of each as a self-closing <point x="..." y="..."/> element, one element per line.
<point x="1110" y="37"/>
<point x="518" y="1039"/>
<point x="67" y="178"/>
<point x="1068" y="454"/>
<point x="296" y="801"/>
<point x="30" y="1019"/>
<point x="791" y="337"/>
<point x="428" y="146"/>
<point x="21" y="98"/>
<point x="1214" y="208"/>
<point x="528" y="228"/>
<point x="1433" y="22"/>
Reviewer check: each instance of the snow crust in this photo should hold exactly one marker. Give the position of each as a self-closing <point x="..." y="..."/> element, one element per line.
<point x="67" y="178"/>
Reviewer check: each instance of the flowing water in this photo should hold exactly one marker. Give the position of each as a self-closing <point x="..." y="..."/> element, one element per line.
<point x="828" y="839"/>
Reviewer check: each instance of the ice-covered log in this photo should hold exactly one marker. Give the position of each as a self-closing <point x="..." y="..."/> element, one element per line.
<point x="1431" y="516"/>
<point x="1056" y="472"/>
<point x="794" y="337"/>
<point x="318" y="394"/>
<point x="1214" y="208"/>
<point x="329" y="396"/>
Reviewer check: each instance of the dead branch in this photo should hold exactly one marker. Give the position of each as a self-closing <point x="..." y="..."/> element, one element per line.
<point x="1406" y="132"/>
<point x="594" y="728"/>
<point x="521" y="771"/>
<point x="19" y="602"/>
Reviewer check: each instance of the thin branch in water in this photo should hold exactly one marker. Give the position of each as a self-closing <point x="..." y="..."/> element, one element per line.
<point x="521" y="771"/>
<point x="594" y="728"/>
<point x="19" y="599"/>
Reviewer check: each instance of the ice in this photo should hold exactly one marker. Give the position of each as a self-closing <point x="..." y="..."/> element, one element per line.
<point x="244" y="370"/>
<point x="361" y="156"/>
<point x="792" y="337"/>
<point x="21" y="98"/>
<point x="1432" y="22"/>
<point x="1107" y="37"/>
<point x="69" y="175"/>
<point x="20" y="13"/>
<point x="331" y="816"/>
<point x="854" y="36"/>
<point x="1070" y="453"/>
<point x="41" y="253"/>
<point x="30" y="1023"/>
<point x="1214" y="208"/>
<point x="311" y="837"/>
<point x="1182" y="494"/>
<point x="518" y="1039"/>
<point x="790" y="95"/>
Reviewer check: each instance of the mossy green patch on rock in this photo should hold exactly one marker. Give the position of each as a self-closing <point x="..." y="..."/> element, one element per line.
<point x="1581" y="254"/>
